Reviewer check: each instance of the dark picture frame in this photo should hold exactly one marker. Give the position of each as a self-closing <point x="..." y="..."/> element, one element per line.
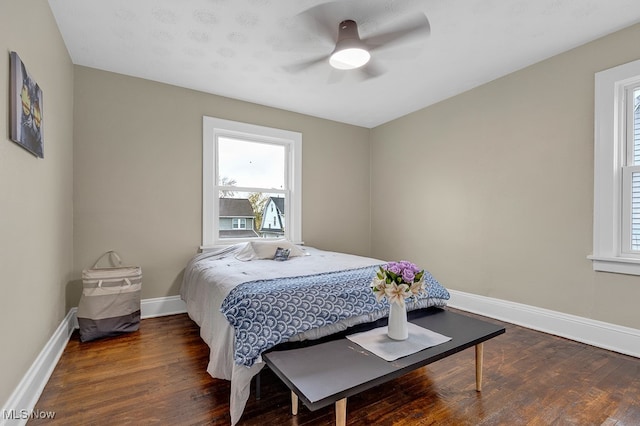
<point x="26" y="108"/>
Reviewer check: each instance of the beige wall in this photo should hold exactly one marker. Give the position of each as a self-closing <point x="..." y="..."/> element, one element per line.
<point x="491" y="190"/>
<point x="499" y="181"/>
<point x="138" y="175"/>
<point x="35" y="194"/>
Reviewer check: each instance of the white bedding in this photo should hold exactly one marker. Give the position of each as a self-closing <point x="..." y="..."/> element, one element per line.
<point x="210" y="276"/>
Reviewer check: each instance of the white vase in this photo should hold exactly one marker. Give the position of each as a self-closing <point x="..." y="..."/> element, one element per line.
<point x="397" y="329"/>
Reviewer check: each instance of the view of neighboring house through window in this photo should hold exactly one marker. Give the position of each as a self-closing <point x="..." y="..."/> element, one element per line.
<point x="254" y="173"/>
<point x="273" y="218"/>
<point x="631" y="173"/>
<point x="236" y="218"/>
<point x="254" y="182"/>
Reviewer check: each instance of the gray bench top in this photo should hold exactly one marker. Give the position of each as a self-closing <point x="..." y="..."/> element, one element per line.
<point x="325" y="373"/>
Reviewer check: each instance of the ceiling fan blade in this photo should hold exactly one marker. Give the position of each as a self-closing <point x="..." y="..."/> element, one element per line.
<point x="416" y="27"/>
<point x="303" y="65"/>
<point x="371" y="70"/>
<point x="366" y="72"/>
<point x="319" y="20"/>
<point x="303" y="43"/>
<point x="336" y="76"/>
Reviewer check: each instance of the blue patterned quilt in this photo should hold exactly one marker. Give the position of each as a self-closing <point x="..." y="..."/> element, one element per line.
<point x="265" y="313"/>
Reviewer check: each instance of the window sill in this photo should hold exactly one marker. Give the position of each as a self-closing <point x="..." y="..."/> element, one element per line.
<point x="618" y="265"/>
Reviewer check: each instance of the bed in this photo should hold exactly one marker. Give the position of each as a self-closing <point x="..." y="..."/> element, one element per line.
<point x="308" y="296"/>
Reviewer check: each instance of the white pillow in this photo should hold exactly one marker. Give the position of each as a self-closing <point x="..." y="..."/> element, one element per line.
<point x="267" y="249"/>
<point x="246" y="253"/>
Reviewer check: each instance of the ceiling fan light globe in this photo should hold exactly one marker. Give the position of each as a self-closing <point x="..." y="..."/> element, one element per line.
<point x="350" y="58"/>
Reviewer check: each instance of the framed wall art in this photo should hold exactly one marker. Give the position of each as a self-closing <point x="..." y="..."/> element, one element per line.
<point x="26" y="109"/>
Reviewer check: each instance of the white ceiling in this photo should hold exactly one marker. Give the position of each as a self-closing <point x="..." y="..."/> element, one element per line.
<point x="239" y="48"/>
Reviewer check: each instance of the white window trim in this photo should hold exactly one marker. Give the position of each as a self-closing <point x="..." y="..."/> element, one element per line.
<point x="212" y="128"/>
<point x="242" y="223"/>
<point x="609" y="139"/>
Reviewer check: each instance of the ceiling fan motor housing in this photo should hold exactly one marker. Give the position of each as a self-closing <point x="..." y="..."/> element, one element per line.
<point x="350" y="52"/>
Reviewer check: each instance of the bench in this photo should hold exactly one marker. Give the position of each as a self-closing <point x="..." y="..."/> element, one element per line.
<point x="330" y="372"/>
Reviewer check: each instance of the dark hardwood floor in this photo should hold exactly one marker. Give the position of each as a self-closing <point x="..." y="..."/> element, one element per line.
<point x="157" y="375"/>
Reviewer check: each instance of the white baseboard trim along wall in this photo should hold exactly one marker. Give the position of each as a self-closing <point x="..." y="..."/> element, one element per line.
<point x="162" y="306"/>
<point x="20" y="405"/>
<point x="604" y="335"/>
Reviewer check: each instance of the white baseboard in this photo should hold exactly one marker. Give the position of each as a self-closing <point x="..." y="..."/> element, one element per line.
<point x="597" y="333"/>
<point x="162" y="306"/>
<point x="604" y="335"/>
<point x="24" y="398"/>
<point x="22" y="401"/>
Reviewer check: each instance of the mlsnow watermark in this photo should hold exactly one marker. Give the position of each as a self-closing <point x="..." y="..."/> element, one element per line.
<point x="27" y="414"/>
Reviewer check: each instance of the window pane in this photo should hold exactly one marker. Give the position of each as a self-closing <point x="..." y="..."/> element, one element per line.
<point x="636" y="126"/>
<point x="251" y="215"/>
<point x="237" y="223"/>
<point x="635" y="211"/>
<point x="250" y="164"/>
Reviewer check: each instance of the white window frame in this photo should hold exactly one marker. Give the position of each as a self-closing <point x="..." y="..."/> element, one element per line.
<point x="212" y="128"/>
<point x="628" y="169"/>
<point x="242" y="223"/>
<point x="610" y="219"/>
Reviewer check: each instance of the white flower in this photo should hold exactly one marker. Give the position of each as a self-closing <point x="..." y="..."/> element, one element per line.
<point x="398" y="281"/>
<point x="396" y="293"/>
<point x="417" y="288"/>
<point x="378" y="286"/>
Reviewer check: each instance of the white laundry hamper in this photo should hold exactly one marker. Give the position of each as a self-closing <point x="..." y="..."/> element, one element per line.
<point x="110" y="301"/>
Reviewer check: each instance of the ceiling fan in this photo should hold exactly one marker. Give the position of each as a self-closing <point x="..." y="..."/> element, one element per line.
<point x="336" y="22"/>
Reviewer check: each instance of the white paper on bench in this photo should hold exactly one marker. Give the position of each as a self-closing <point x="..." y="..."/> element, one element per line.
<point x="377" y="341"/>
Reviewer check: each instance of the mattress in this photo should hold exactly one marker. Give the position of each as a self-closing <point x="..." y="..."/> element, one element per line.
<point x="211" y="276"/>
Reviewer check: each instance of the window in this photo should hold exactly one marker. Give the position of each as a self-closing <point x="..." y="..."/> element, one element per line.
<point x="237" y="223"/>
<point x="631" y="175"/>
<point x="244" y="166"/>
<point x="616" y="236"/>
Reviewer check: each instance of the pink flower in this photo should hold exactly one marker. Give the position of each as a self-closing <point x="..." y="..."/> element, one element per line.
<point x="398" y="281"/>
<point x="394" y="267"/>
<point x="408" y="275"/>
